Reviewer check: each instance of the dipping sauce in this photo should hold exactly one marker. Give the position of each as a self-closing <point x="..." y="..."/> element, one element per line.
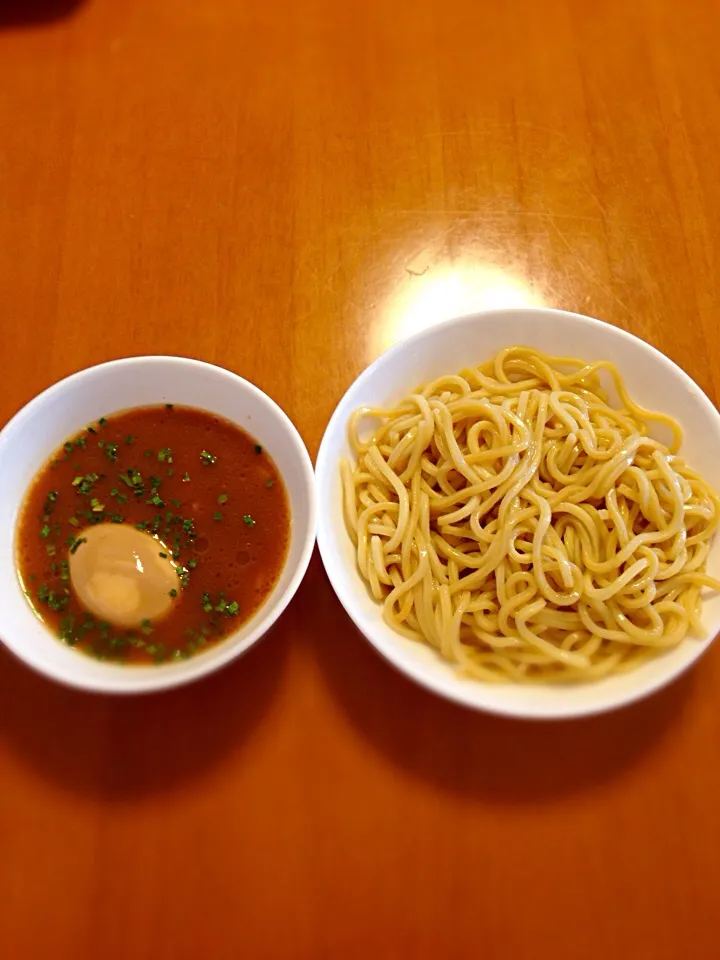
<point x="183" y="516"/>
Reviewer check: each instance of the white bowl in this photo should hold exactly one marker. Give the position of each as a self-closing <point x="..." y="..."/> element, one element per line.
<point x="39" y="428"/>
<point x="653" y="380"/>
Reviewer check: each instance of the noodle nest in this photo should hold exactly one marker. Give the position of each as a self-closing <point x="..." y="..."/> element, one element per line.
<point x="524" y="526"/>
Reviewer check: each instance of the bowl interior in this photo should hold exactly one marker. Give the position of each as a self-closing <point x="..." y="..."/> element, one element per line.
<point x="653" y="380"/>
<point x="40" y="427"/>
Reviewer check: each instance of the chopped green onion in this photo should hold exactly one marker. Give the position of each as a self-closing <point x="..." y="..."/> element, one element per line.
<point x="163" y="555"/>
<point x="208" y="458"/>
<point x="45" y="532"/>
<point x="217" y="516"/>
<point x="165" y="455"/>
<point x="186" y="477"/>
<point x="258" y="448"/>
<point x="74" y="521"/>
<point x="129" y="439"/>
<point x="223" y="498"/>
<point x="269" y="483"/>
<point x="248" y="520"/>
<point x="76" y="544"/>
<point x="173" y="592"/>
<point x="102" y="422"/>
<point x="146" y="627"/>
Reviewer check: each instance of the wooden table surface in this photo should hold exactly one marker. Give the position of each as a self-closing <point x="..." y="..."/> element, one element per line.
<point x="286" y="188"/>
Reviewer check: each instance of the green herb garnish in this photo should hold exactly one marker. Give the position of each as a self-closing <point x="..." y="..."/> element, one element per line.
<point x="223" y="498"/>
<point x="55" y="602"/>
<point x="85" y="484"/>
<point x="186" y="477"/>
<point x="77" y="543"/>
<point x="248" y="520"/>
<point x="258" y="448"/>
<point x="208" y="458"/>
<point x="45" y="532"/>
<point x="67" y="629"/>
<point x="217" y="516"/>
<point x="165" y="455"/>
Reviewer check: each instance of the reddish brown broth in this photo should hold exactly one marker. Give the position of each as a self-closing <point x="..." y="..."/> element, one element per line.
<point x="238" y="557"/>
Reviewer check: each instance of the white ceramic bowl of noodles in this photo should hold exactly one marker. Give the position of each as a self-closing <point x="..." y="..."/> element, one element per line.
<point x="652" y="379"/>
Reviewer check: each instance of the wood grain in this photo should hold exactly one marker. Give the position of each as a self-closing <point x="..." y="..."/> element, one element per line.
<point x="286" y="188"/>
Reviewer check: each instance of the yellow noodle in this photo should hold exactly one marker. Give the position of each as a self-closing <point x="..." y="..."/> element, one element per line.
<point x="528" y="531"/>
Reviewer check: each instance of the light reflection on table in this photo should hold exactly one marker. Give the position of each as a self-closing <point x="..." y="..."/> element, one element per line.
<point x="443" y="291"/>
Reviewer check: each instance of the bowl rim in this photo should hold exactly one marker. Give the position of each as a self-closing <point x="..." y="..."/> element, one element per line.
<point x="157" y="682"/>
<point x="458" y="693"/>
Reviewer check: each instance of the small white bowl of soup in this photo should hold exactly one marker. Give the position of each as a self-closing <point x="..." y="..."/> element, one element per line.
<point x="510" y="529"/>
<point x="157" y="515"/>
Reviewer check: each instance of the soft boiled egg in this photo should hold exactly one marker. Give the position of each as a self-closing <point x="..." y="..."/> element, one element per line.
<point x="123" y="575"/>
